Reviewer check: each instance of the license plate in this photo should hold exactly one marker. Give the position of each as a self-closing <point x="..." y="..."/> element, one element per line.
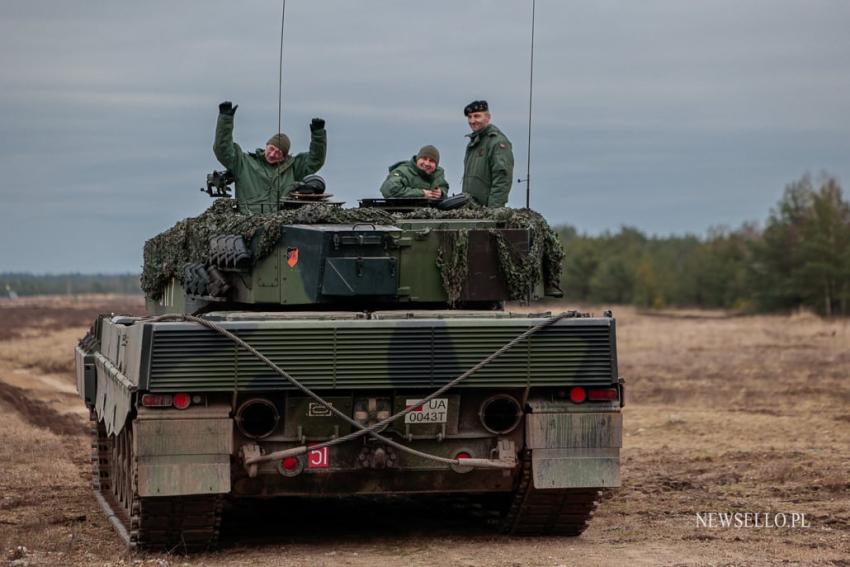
<point x="435" y="411"/>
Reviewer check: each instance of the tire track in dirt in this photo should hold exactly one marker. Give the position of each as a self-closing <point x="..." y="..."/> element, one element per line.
<point x="38" y="413"/>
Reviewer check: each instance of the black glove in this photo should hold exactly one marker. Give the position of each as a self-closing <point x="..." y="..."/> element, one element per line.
<point x="227" y="108"/>
<point x="317" y="124"/>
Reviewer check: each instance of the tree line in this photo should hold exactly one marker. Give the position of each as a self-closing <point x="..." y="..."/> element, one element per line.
<point x="800" y="258"/>
<point x="22" y="284"/>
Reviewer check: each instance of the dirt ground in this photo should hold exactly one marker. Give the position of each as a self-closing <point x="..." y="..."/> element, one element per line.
<point x="724" y="414"/>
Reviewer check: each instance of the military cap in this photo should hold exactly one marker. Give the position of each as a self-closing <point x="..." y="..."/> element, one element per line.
<point x="431" y="152"/>
<point x="281" y="142"/>
<point x="476" y="106"/>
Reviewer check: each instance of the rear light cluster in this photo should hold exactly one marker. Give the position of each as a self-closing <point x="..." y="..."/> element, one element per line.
<point x="462" y="468"/>
<point x="290" y="466"/>
<point x="579" y="394"/>
<point x="180" y="401"/>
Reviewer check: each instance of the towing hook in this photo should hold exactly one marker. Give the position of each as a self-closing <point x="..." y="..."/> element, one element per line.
<point x="250" y="455"/>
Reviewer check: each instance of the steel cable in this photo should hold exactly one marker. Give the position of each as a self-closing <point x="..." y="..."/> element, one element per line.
<point x="371" y="430"/>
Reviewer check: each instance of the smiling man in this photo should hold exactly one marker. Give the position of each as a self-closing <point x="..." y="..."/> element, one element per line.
<point x="420" y="176"/>
<point x="265" y="176"/>
<point x="488" y="167"/>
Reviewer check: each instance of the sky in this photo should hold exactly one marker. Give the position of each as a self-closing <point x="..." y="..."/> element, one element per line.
<point x="672" y="117"/>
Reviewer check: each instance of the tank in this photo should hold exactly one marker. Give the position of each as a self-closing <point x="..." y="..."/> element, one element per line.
<point x="317" y="351"/>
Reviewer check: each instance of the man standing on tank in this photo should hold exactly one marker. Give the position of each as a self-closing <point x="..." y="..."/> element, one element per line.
<point x="420" y="176"/>
<point x="266" y="176"/>
<point x="488" y="167"/>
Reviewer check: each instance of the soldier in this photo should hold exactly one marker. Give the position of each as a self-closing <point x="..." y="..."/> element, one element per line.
<point x="266" y="176"/>
<point x="420" y="176"/>
<point x="488" y="167"/>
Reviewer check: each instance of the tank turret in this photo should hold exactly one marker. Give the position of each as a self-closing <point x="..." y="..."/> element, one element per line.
<point x="386" y="254"/>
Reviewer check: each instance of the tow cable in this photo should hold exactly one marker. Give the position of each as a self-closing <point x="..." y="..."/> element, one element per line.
<point x="371" y="430"/>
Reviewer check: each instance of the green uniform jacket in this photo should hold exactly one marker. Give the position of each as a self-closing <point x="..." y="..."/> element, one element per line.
<point x="257" y="182"/>
<point x="407" y="180"/>
<point x="488" y="168"/>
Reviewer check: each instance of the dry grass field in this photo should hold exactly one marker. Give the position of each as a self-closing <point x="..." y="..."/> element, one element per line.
<point x="724" y="414"/>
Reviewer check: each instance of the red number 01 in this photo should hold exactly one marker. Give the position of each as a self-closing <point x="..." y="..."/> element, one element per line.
<point x="318" y="459"/>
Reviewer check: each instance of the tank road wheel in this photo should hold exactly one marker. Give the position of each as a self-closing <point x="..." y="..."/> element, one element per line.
<point x="548" y="512"/>
<point x="120" y="471"/>
<point x="171" y="523"/>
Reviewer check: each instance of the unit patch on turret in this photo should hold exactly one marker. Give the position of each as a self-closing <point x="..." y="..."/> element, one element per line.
<point x="292" y="257"/>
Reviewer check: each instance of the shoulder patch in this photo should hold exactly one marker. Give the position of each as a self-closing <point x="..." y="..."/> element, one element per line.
<point x="397" y="174"/>
<point x="503" y="146"/>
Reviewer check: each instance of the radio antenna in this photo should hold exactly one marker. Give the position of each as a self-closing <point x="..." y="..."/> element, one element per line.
<point x="280" y="69"/>
<point x="527" y="179"/>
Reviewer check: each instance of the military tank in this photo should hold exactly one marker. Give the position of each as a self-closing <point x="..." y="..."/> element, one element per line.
<point x="317" y="351"/>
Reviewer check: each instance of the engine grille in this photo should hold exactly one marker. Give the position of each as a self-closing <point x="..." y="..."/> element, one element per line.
<point x="380" y="354"/>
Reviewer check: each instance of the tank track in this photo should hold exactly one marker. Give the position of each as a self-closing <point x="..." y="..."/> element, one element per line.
<point x="172" y="523"/>
<point x="547" y="512"/>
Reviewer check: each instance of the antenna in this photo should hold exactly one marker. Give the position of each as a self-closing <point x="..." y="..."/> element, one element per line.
<point x="530" y="102"/>
<point x="527" y="179"/>
<point x="280" y="68"/>
<point x="277" y="179"/>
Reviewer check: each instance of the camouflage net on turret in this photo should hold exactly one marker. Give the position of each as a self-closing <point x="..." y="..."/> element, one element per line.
<point x="453" y="263"/>
<point x="188" y="241"/>
<point x="521" y="274"/>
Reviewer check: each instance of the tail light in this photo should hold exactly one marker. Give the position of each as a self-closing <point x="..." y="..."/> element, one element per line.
<point x="461" y="455"/>
<point x="157" y="400"/>
<point x="290" y="466"/>
<point x="182" y="401"/>
<point x="179" y="401"/>
<point x="579" y="394"/>
<point x="603" y="395"/>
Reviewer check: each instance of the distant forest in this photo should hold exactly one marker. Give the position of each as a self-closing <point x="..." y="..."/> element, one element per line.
<point x="14" y="284"/>
<point x="800" y="258"/>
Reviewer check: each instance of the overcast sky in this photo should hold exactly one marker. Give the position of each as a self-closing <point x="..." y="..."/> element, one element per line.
<point x="664" y="115"/>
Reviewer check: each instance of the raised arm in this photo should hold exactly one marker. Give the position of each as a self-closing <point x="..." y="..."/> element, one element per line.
<point x="226" y="151"/>
<point x="313" y="160"/>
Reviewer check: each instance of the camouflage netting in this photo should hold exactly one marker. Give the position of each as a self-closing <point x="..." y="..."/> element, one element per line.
<point x="188" y="241"/>
<point x="452" y="261"/>
<point x="520" y="273"/>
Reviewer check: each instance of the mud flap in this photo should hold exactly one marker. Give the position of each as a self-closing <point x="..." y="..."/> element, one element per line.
<point x="574" y="450"/>
<point x="179" y="456"/>
<point x="575" y="468"/>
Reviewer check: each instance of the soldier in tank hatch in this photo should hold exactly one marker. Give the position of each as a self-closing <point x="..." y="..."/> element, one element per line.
<point x="420" y="176"/>
<point x="265" y="176"/>
<point x="488" y="167"/>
